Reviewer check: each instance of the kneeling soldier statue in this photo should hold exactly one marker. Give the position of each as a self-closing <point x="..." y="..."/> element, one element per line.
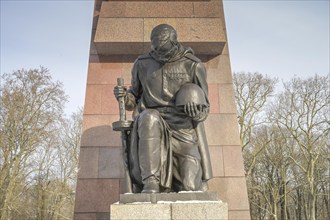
<point x="167" y="148"/>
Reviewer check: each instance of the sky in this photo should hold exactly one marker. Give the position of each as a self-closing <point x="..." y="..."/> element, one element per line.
<point x="279" y="38"/>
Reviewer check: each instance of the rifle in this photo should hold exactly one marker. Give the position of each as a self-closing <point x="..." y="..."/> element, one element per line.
<point x="124" y="126"/>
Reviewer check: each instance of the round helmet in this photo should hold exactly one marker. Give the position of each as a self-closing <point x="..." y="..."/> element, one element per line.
<point x="164" y="31"/>
<point x="190" y="92"/>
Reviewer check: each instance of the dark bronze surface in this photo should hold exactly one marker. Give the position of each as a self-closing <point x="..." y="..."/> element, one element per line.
<point x="124" y="126"/>
<point x="167" y="150"/>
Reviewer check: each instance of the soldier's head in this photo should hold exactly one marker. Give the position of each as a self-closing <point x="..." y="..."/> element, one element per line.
<point x="163" y="39"/>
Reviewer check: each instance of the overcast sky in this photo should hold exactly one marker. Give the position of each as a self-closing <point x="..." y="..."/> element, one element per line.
<point x="278" y="38"/>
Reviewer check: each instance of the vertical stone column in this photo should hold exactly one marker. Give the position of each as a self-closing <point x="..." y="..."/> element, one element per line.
<point x="120" y="33"/>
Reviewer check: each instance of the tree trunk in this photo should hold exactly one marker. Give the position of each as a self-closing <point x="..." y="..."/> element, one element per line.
<point x="312" y="213"/>
<point x="285" y="217"/>
<point x="299" y="210"/>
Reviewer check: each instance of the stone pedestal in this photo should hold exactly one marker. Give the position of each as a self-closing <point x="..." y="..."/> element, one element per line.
<point x="169" y="206"/>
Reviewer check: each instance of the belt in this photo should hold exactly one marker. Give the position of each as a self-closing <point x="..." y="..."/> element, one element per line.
<point x="167" y="109"/>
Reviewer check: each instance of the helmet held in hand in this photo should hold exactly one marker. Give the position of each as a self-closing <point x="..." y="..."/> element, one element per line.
<point x="190" y="92"/>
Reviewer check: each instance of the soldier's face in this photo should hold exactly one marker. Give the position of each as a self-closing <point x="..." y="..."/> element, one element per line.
<point x="161" y="45"/>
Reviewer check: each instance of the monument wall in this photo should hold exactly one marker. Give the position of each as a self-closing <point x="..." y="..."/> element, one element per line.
<point x="121" y="32"/>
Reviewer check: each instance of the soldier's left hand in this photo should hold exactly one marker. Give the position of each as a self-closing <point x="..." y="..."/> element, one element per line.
<point x="196" y="112"/>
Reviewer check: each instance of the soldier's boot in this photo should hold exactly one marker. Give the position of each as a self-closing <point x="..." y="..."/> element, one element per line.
<point x="149" y="159"/>
<point x="151" y="185"/>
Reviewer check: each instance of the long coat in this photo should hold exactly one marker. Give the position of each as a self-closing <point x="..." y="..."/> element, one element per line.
<point x="154" y="85"/>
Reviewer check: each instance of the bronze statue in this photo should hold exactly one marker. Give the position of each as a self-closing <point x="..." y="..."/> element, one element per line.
<point x="167" y="149"/>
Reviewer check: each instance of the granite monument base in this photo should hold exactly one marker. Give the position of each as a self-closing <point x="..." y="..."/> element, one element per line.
<point x="197" y="205"/>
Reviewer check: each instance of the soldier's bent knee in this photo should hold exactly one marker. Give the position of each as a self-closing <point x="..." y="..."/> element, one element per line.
<point x="149" y="117"/>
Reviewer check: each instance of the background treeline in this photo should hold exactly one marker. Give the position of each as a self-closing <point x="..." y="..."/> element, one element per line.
<point x="38" y="147"/>
<point x="284" y="132"/>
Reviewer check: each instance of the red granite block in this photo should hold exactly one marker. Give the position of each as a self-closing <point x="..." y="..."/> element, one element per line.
<point x="91" y="121"/>
<point x="92" y="216"/>
<point x="93" y="100"/>
<point x="214" y="98"/>
<point x="92" y="47"/>
<point x="96" y="195"/>
<point x="209" y="9"/>
<point x="233" y="161"/>
<point x="231" y="190"/>
<point x="119" y="48"/>
<point x="227" y="98"/>
<point x="85" y="216"/>
<point x="97" y="131"/>
<point x="216" y="155"/>
<point x="240" y="215"/>
<point x="113" y="9"/>
<point x="225" y="50"/>
<point x="189" y="29"/>
<point x="200" y="30"/>
<point x="93" y="58"/>
<point x="119" y="30"/>
<point x="106" y="69"/>
<point x="222" y="129"/>
<point x="127" y="73"/>
<point x="219" y="70"/>
<point x="104" y="73"/>
<point x="144" y="9"/>
<point x="205" y="48"/>
<point x="119" y="36"/>
<point x="88" y="162"/>
<point x="109" y="101"/>
<point x="111" y="162"/>
<point x="122" y="186"/>
<point x="197" y="33"/>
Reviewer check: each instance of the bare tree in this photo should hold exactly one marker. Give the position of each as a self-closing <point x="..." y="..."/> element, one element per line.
<point x="55" y="178"/>
<point x="31" y="103"/>
<point x="67" y="164"/>
<point x="303" y="110"/>
<point x="252" y="90"/>
<point x="285" y="141"/>
<point x="269" y="177"/>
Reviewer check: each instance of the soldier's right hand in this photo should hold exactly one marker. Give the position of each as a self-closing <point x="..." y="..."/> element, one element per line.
<point x="119" y="91"/>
